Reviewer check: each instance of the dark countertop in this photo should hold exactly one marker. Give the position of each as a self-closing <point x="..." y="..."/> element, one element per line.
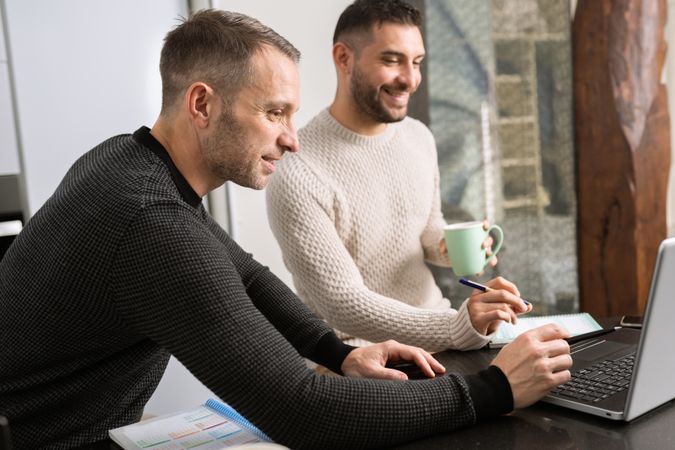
<point x="550" y="427"/>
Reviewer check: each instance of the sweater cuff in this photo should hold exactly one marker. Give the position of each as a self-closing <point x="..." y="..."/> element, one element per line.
<point x="491" y="393"/>
<point x="464" y="335"/>
<point x="330" y="352"/>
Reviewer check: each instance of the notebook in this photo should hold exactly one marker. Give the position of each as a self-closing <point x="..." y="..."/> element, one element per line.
<point x="214" y="425"/>
<point x="576" y="324"/>
<point x="645" y="357"/>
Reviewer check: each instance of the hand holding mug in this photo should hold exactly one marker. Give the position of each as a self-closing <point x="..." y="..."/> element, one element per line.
<point x="469" y="246"/>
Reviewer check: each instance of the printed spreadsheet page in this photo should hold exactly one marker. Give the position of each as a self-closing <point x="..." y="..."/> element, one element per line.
<point x="200" y="428"/>
<point x="575" y="324"/>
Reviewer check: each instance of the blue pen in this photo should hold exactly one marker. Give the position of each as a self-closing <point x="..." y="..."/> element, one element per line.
<point x="483" y="288"/>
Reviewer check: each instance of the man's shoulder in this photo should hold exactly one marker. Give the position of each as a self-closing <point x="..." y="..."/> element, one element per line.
<point x="300" y="172"/>
<point x="316" y="126"/>
<point x="121" y="170"/>
<point x="315" y="138"/>
<point x="415" y="133"/>
<point x="116" y="151"/>
<point x="416" y="126"/>
<point x="293" y="172"/>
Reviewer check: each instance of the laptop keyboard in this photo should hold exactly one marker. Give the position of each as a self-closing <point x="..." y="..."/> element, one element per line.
<point x="599" y="381"/>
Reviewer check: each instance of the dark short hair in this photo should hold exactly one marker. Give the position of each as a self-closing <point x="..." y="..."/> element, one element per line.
<point x="360" y="16"/>
<point x="215" y="47"/>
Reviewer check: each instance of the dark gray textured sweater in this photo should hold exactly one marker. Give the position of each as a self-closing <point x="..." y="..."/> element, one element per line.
<point x="122" y="267"/>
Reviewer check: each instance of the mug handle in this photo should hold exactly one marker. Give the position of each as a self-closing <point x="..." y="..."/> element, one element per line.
<point x="498" y="242"/>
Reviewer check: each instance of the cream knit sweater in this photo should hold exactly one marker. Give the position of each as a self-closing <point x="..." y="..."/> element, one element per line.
<point x="356" y="217"/>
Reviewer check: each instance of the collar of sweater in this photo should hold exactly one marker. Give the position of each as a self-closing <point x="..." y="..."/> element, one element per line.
<point x="355" y="138"/>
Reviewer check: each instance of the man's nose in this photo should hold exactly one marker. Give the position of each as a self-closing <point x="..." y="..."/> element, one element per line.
<point x="288" y="140"/>
<point x="409" y="76"/>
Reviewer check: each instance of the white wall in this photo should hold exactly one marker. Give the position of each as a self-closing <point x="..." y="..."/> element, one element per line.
<point x="84" y="71"/>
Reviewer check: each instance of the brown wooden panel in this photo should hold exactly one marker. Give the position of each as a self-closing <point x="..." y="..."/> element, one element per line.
<point x="622" y="141"/>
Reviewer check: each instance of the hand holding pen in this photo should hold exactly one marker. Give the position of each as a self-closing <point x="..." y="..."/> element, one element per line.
<point x="484" y="288"/>
<point x="498" y="301"/>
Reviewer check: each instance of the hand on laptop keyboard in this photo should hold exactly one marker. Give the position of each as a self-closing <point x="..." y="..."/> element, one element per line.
<point x="535" y="362"/>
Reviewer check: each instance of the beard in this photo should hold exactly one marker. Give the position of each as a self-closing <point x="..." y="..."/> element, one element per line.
<point x="367" y="100"/>
<point x="230" y="156"/>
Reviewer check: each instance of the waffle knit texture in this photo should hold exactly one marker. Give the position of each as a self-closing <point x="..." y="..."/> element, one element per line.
<point x="356" y="218"/>
<point x="122" y="267"/>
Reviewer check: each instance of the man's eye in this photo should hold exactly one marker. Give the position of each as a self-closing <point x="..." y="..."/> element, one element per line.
<point x="276" y="114"/>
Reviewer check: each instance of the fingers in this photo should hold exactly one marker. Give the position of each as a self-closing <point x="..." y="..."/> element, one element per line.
<point x="556" y="371"/>
<point x="375" y="361"/>
<point x="429" y="365"/>
<point x="561" y="363"/>
<point x="557" y="347"/>
<point x="501" y="314"/>
<point x="486" y="322"/>
<point x="500" y="296"/>
<point x="389" y="374"/>
<point x="423" y="364"/>
<point x="547" y="339"/>
<point x="561" y="377"/>
<point x="506" y="314"/>
<point x="503" y="283"/>
<point x="435" y="365"/>
<point x="487" y="310"/>
<point x="423" y="359"/>
<point x="549" y="332"/>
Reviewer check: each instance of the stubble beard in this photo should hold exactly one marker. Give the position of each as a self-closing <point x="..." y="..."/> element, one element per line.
<point x="367" y="100"/>
<point x="232" y="162"/>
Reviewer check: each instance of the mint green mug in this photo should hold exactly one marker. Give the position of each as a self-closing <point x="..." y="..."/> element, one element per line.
<point x="464" y="242"/>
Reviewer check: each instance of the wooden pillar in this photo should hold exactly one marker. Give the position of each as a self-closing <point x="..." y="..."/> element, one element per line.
<point x="622" y="140"/>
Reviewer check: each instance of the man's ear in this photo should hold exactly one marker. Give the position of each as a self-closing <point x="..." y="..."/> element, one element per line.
<point x="343" y="57"/>
<point x="200" y="99"/>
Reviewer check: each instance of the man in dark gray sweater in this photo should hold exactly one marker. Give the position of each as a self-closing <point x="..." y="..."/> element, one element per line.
<point x="122" y="267"/>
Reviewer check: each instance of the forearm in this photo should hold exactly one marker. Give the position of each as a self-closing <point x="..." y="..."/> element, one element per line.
<point x="376" y="413"/>
<point x="358" y="413"/>
<point x="365" y="314"/>
<point x="310" y="336"/>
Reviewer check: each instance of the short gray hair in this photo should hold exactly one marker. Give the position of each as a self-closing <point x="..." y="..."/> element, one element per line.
<point x="215" y="47"/>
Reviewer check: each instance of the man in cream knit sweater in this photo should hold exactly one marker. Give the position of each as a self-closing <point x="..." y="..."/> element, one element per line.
<point x="357" y="211"/>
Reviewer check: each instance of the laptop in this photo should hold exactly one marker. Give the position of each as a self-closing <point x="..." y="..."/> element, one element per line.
<point x="628" y="372"/>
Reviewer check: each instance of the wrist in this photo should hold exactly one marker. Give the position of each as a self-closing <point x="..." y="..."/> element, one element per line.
<point x="331" y="352"/>
<point x="490" y="392"/>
